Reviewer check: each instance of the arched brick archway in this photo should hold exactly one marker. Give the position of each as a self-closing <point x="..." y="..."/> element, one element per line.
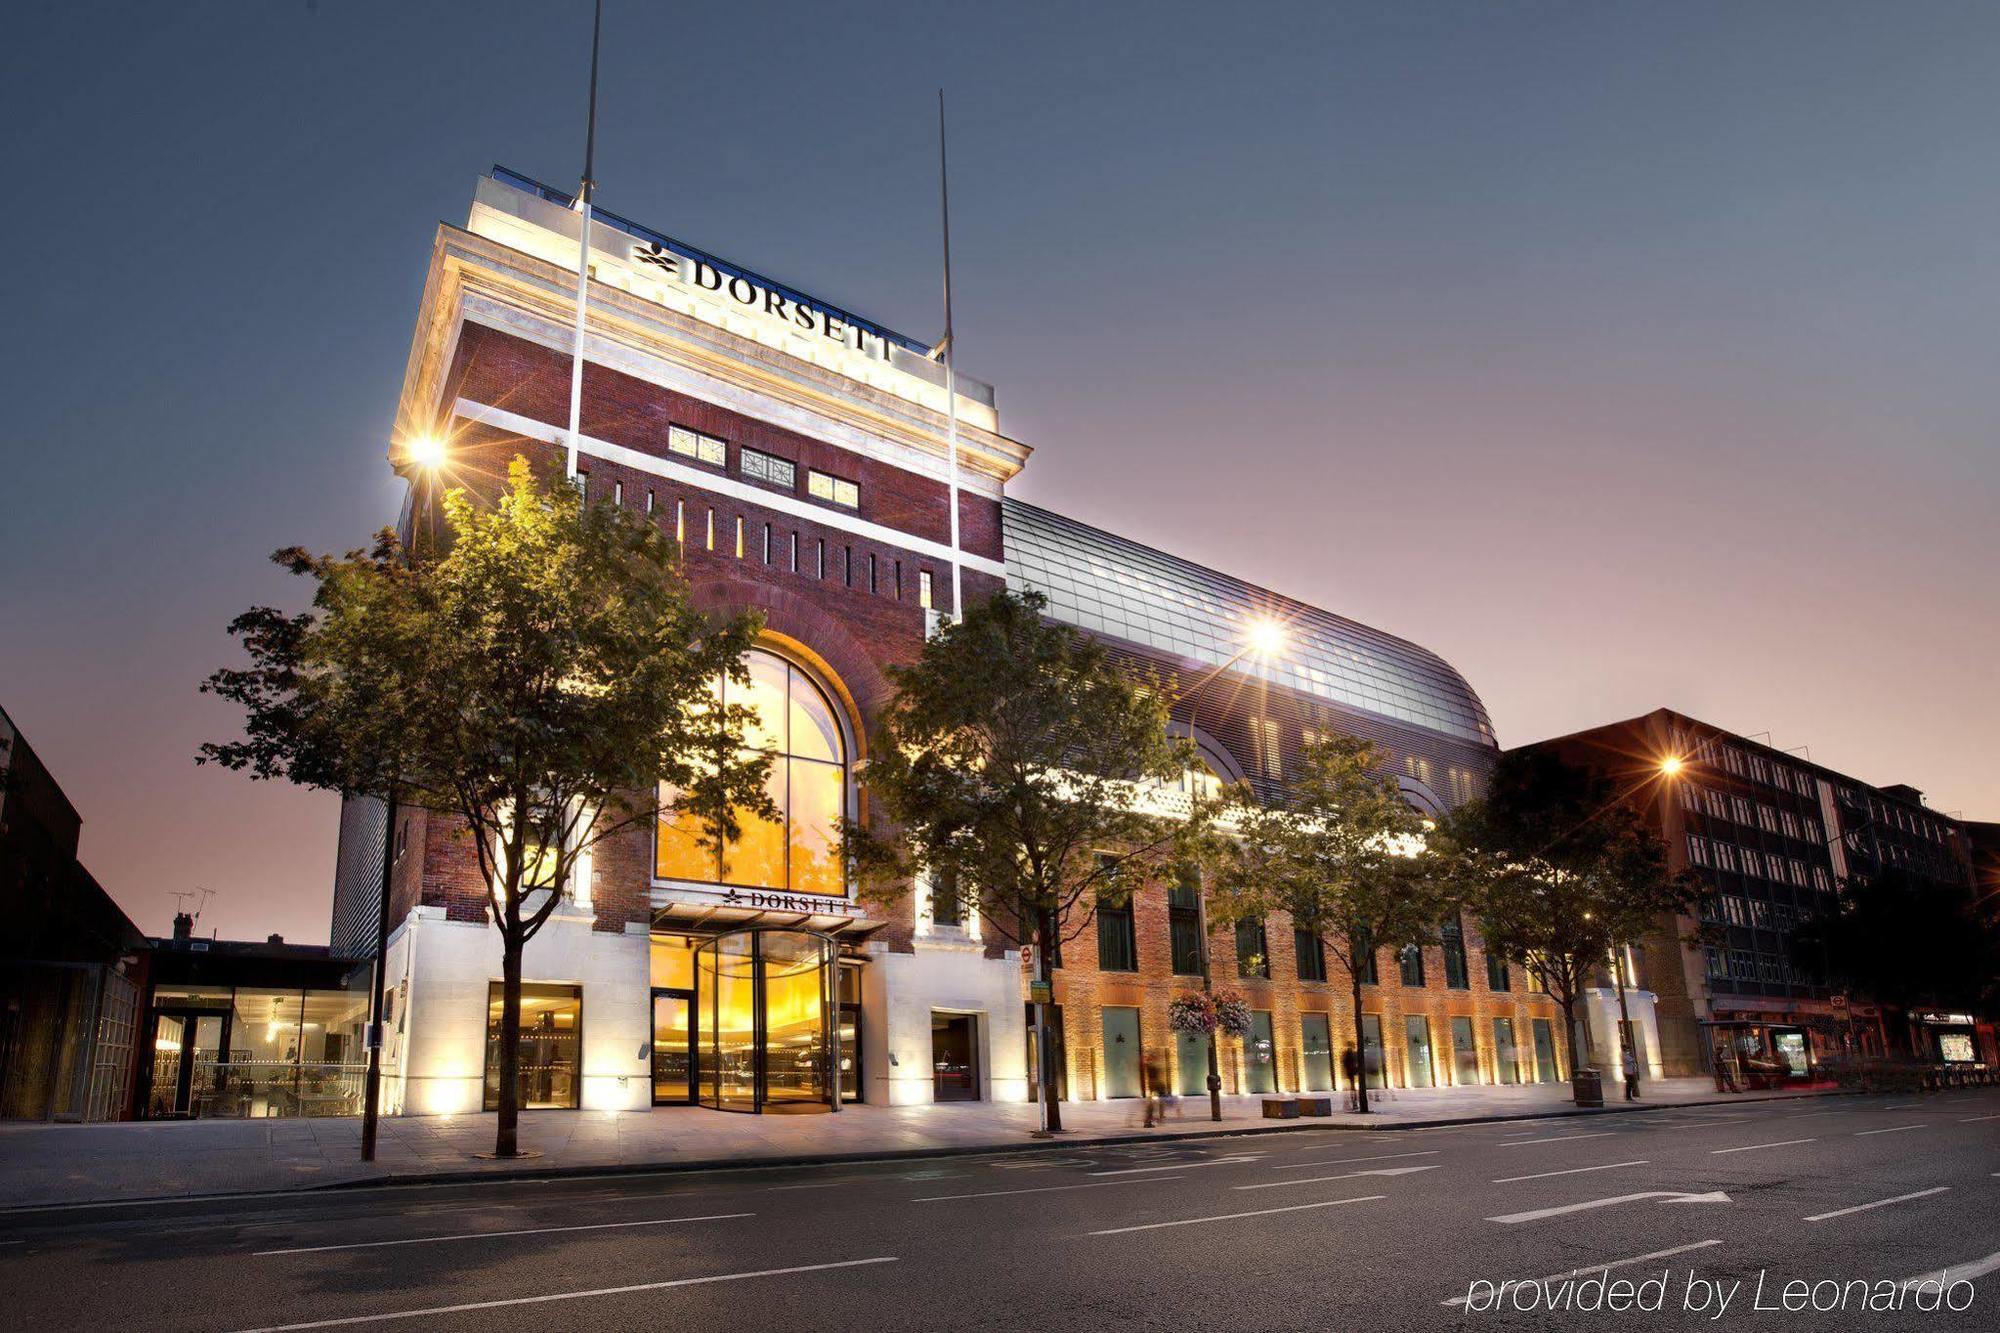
<point x="845" y="665"/>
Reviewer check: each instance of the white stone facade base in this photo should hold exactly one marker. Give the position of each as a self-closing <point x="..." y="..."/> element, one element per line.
<point x="437" y="1046"/>
<point x="899" y="992"/>
<point x="1599" y="1008"/>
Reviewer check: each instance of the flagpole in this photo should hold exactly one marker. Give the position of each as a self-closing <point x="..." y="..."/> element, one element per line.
<point x="583" y="246"/>
<point x="950" y="379"/>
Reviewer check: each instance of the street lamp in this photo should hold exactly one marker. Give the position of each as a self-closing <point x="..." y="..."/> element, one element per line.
<point x="1263" y="637"/>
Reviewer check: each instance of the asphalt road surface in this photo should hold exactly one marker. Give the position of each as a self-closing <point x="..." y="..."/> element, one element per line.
<point x="1850" y="1196"/>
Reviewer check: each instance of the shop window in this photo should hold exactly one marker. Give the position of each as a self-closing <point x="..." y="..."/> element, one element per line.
<point x="551" y="1046"/>
<point x="800" y="849"/>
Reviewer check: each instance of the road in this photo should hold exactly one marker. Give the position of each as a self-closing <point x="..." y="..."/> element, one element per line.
<point x="1312" y="1228"/>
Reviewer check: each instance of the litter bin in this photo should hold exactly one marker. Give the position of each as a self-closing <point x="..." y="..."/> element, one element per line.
<point x="1588" y="1085"/>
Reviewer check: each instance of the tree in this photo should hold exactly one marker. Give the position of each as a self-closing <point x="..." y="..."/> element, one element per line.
<point x="1565" y="870"/>
<point x="540" y="677"/>
<point x="1344" y="854"/>
<point x="1903" y="942"/>
<point x="1011" y="771"/>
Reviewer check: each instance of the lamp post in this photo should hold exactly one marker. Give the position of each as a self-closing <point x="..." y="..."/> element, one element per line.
<point x="1263" y="638"/>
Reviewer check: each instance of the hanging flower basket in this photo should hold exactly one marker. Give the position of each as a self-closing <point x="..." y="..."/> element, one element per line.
<point x="1193" y="1012"/>
<point x="1231" y="1014"/>
<point x="1202" y="1014"/>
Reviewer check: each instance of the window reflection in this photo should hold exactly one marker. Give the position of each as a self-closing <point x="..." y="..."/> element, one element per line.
<point x="799" y="850"/>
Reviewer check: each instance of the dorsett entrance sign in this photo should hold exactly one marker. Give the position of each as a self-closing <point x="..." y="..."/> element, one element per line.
<point x="662" y="258"/>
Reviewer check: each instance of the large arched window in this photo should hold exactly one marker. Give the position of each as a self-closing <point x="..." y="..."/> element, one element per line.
<point x="798" y="852"/>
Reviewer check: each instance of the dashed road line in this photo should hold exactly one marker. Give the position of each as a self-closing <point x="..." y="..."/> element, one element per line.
<point x="1573" y="1171"/>
<point x="1559" y="1138"/>
<point x="1753" y="1147"/>
<point x="1345" y="1161"/>
<point x="1231" y="1217"/>
<point x="1894" y="1129"/>
<point x="1879" y="1203"/>
<point x="496" y="1235"/>
<point x="1043" y="1189"/>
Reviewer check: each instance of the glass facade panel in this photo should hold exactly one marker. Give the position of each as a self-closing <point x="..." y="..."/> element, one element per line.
<point x="1464" y="1053"/>
<point x="1373" y="1065"/>
<point x="795" y="1017"/>
<point x="764" y="1014"/>
<point x="1317" y="1051"/>
<point x="1122" y="1057"/>
<point x="1506" y="1057"/>
<point x="1260" y="1055"/>
<point x="1417" y="1031"/>
<point x="673" y="1048"/>
<point x="1190" y="1063"/>
<point x="799" y="850"/>
<point x="551" y="1046"/>
<point x="673" y="962"/>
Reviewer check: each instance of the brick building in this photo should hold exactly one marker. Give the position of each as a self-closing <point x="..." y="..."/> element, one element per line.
<point x="799" y="454"/>
<point x="1772" y="836"/>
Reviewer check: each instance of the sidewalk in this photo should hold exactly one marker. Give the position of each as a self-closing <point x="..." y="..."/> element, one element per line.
<point x="44" y="1164"/>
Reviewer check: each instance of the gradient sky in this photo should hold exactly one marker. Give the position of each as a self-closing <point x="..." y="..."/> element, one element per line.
<point x="1625" y="354"/>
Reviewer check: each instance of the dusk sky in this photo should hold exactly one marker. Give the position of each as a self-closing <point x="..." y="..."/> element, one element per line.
<point x="1627" y="355"/>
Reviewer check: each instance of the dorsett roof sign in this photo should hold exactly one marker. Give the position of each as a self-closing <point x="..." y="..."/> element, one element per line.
<point x="1108" y="585"/>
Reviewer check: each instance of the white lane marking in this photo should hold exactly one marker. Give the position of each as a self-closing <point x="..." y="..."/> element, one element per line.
<point x="1559" y="1138"/>
<point x="568" y="1295"/>
<point x="1042" y="1189"/>
<point x="1573" y="1171"/>
<point x="1971" y="1118"/>
<point x="1177" y="1166"/>
<point x="1344" y="1161"/>
<point x="1231" y="1217"/>
<point x="1753" y="1147"/>
<point x="1879" y="1203"/>
<point x="1664" y="1196"/>
<point x="1345" y="1175"/>
<point x="1894" y="1129"/>
<point x="1615" y="1263"/>
<point x="495" y="1235"/>
<point x="1965" y="1272"/>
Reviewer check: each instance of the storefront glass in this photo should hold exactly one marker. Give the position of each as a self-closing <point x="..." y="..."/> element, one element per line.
<point x="1260" y="1055"/>
<point x="551" y="1046"/>
<point x="765" y="1018"/>
<point x="252" y="1052"/>
<point x="1317" y="1049"/>
<point x="1464" y="1054"/>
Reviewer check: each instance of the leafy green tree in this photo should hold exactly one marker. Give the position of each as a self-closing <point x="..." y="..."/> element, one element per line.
<point x="1018" y="770"/>
<point x="1563" y="870"/>
<point x="1904" y="942"/>
<point x="539" y="677"/>
<point x="1344" y="854"/>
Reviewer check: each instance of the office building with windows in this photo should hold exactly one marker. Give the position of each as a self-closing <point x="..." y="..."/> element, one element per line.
<point x="799" y="454"/>
<point x="1772" y="836"/>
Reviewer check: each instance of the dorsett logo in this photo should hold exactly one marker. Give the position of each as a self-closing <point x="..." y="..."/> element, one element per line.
<point x="699" y="273"/>
<point x="787" y="902"/>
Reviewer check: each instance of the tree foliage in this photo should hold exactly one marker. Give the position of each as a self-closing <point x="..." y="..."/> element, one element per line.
<point x="1011" y="771"/>
<point x="1563" y="869"/>
<point x="539" y="677"/>
<point x="1903" y="941"/>
<point x="1343" y="853"/>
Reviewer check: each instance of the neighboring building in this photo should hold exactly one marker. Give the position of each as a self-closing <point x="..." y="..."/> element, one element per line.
<point x="798" y="452"/>
<point x="236" y="1029"/>
<point x="69" y="958"/>
<point x="1772" y="836"/>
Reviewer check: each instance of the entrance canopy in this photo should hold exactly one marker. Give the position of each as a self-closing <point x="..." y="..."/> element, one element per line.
<point x="765" y="911"/>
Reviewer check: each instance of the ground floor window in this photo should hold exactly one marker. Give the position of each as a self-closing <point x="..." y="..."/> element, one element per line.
<point x="1547" y="1070"/>
<point x="253" y="1052"/>
<point x="954" y="1057"/>
<point x="1506" y="1059"/>
<point x="550" y="1076"/>
<point x="1260" y="1055"/>
<point x="1191" y="1063"/>
<point x="1316" y="1048"/>
<point x="1123" y="1059"/>
<point x="1464" y="1054"/>
<point x="1374" y="1067"/>
<point x="1417" y="1033"/>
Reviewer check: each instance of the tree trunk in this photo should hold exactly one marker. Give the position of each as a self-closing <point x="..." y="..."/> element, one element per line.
<point x="1045" y="1065"/>
<point x="506" y="1141"/>
<point x="1360" y="1043"/>
<point x="1624" y="1015"/>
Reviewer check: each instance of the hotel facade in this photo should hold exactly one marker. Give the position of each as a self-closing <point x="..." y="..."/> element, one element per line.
<point x="799" y="454"/>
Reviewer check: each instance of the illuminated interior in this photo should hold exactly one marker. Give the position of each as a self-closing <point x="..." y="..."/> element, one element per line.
<point x="764" y="1004"/>
<point x="799" y="851"/>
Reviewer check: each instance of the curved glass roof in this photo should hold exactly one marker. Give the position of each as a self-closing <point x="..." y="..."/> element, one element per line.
<point x="1108" y="585"/>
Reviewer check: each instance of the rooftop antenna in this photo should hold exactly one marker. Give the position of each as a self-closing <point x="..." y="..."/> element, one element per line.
<point x="950" y="379"/>
<point x="583" y="245"/>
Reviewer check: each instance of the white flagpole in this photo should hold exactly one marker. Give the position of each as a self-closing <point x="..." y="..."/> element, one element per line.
<point x="950" y="380"/>
<point x="583" y="247"/>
